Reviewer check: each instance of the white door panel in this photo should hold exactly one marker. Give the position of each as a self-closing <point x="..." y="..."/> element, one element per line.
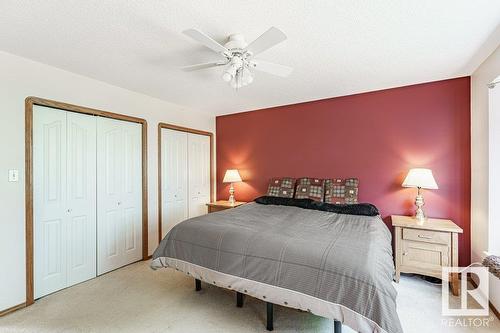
<point x="198" y="174"/>
<point x="109" y="190"/>
<point x="64" y="198"/>
<point x="74" y="206"/>
<point x="81" y="194"/>
<point x="119" y="191"/>
<point x="131" y="202"/>
<point x="174" y="171"/>
<point x="49" y="200"/>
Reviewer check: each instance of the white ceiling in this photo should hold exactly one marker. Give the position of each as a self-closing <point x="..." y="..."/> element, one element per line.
<point x="337" y="47"/>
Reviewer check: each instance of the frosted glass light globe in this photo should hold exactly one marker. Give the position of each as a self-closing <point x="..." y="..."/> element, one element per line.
<point x="226" y="77"/>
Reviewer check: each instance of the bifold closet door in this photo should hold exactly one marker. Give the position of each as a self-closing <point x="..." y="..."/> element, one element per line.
<point x="198" y="173"/>
<point x="174" y="172"/>
<point x="64" y="201"/>
<point x="119" y="193"/>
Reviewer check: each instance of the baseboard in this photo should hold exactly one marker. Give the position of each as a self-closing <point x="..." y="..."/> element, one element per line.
<point x="12" y="309"/>
<point x="495" y="311"/>
<point x="492" y="307"/>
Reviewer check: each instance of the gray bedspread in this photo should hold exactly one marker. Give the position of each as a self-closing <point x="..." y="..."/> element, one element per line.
<point x="343" y="259"/>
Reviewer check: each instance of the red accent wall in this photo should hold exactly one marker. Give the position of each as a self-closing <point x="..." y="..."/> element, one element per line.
<point x="375" y="136"/>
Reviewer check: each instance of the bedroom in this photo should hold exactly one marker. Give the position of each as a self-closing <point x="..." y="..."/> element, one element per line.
<point x="356" y="138"/>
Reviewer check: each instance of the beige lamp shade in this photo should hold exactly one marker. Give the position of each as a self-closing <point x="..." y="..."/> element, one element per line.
<point x="232" y="176"/>
<point x="420" y="177"/>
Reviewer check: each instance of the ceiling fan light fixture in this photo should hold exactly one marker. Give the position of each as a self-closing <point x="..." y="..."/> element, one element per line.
<point x="239" y="56"/>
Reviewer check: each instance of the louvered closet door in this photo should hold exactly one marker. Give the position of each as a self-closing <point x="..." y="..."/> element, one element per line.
<point x="64" y="199"/>
<point x="174" y="169"/>
<point x="198" y="173"/>
<point x="119" y="194"/>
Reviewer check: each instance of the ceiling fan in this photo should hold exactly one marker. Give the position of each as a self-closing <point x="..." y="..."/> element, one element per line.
<point x="239" y="56"/>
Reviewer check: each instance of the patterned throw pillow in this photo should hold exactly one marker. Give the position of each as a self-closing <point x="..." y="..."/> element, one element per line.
<point x="341" y="191"/>
<point x="310" y="188"/>
<point x="281" y="187"/>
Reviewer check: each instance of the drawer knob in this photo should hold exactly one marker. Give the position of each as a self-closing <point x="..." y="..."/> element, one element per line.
<point x="405" y="253"/>
<point x="424" y="237"/>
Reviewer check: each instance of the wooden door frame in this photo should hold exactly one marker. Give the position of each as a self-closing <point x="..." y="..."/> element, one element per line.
<point x="186" y="130"/>
<point x="29" y="103"/>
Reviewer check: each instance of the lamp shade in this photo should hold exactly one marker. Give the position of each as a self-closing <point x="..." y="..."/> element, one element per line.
<point x="420" y="177"/>
<point x="232" y="176"/>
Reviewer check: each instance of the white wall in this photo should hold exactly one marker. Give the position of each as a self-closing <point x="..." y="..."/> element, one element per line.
<point x="485" y="74"/>
<point x="20" y="78"/>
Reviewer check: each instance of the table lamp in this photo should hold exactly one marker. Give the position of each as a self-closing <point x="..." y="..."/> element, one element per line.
<point x="420" y="178"/>
<point x="231" y="176"/>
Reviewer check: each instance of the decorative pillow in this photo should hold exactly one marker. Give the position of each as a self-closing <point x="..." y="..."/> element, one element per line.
<point x="341" y="191"/>
<point x="310" y="188"/>
<point x="281" y="187"/>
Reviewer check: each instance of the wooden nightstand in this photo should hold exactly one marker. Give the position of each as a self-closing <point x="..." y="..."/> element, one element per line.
<point x="425" y="247"/>
<point x="222" y="205"/>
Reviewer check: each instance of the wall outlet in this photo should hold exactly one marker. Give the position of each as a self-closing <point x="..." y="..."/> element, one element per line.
<point x="13" y="175"/>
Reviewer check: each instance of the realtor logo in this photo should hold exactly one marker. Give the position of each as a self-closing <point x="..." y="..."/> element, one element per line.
<point x="473" y="302"/>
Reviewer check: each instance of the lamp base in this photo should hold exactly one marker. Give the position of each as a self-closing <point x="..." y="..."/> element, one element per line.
<point x="231" y="195"/>
<point x="419" y="202"/>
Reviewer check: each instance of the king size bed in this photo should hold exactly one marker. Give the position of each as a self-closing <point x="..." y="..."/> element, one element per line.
<point x="331" y="260"/>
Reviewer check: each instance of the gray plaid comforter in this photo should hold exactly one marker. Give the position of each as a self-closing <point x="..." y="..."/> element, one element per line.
<point x="343" y="259"/>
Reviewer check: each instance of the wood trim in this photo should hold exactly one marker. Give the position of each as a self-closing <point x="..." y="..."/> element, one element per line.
<point x="28" y="189"/>
<point x="81" y="109"/>
<point x="12" y="309"/>
<point x="145" y="224"/>
<point x="29" y="103"/>
<point x="187" y="130"/>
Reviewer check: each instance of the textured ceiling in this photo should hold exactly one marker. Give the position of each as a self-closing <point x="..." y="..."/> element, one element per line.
<point x="336" y="47"/>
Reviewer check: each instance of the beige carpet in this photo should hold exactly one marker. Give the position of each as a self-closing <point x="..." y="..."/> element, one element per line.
<point x="137" y="299"/>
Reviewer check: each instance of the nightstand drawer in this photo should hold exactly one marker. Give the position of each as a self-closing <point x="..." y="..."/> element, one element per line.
<point x="213" y="209"/>
<point x="427" y="236"/>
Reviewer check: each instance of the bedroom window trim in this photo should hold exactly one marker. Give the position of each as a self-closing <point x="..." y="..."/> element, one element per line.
<point x="493" y="238"/>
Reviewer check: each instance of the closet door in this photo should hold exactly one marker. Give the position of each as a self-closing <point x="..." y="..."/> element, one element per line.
<point x="119" y="194"/>
<point x="81" y="194"/>
<point x="49" y="200"/>
<point x="174" y="169"/>
<point x="131" y="201"/>
<point x="198" y="173"/>
<point x="64" y="176"/>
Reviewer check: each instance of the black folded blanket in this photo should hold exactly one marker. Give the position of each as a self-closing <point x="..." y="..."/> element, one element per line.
<point x="364" y="209"/>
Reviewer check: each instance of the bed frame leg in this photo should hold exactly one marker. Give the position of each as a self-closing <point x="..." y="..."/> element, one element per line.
<point x="337" y="326"/>
<point x="239" y="299"/>
<point x="269" y="325"/>
<point x="197" y="284"/>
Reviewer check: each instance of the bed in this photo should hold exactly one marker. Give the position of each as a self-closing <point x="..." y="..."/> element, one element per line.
<point x="335" y="263"/>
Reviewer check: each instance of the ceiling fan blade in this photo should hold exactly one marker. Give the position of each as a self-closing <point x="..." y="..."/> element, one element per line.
<point x="202" y="66"/>
<point x="271" y="68"/>
<point x="267" y="40"/>
<point x="205" y="40"/>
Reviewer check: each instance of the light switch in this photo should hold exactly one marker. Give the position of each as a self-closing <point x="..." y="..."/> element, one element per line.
<point x="13" y="175"/>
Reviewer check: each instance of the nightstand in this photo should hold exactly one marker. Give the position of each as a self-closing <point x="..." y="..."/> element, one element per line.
<point x="425" y="247"/>
<point x="222" y="205"/>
